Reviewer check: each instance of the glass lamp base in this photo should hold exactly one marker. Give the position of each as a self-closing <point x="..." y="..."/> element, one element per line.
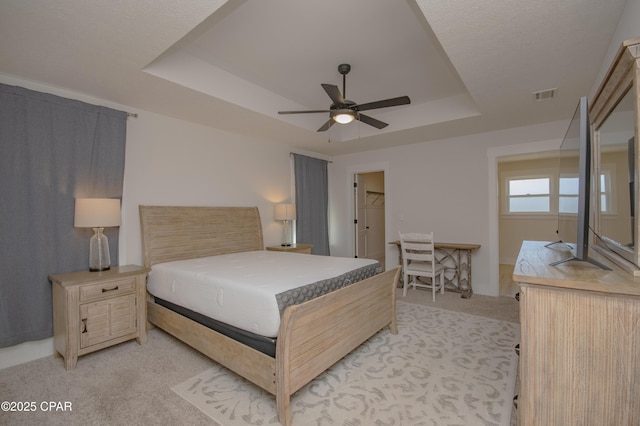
<point x="99" y="258"/>
<point x="286" y="234"/>
<point x="104" y="268"/>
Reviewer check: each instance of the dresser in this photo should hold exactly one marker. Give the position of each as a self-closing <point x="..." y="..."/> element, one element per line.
<point x="580" y="340"/>
<point x="94" y="310"/>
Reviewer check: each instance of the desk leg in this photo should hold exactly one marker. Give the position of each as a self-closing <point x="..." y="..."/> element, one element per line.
<point x="447" y="258"/>
<point x="464" y="269"/>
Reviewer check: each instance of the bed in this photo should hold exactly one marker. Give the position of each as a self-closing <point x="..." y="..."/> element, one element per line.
<point x="312" y="335"/>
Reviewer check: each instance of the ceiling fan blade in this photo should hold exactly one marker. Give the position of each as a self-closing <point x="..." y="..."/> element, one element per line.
<point x="334" y="93"/>
<point x="371" y="121"/>
<point x="304" y="112"/>
<point x="402" y="100"/>
<point x="326" y="125"/>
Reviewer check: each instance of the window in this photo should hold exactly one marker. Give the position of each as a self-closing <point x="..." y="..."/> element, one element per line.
<point x="607" y="193"/>
<point x="543" y="191"/>
<point x="568" y="189"/>
<point x="530" y="195"/>
<point x="603" y="193"/>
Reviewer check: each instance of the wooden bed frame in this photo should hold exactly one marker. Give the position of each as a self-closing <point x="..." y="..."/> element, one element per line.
<point x="313" y="335"/>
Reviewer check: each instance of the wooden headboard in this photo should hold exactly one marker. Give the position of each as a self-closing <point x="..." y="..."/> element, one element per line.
<point x="178" y="232"/>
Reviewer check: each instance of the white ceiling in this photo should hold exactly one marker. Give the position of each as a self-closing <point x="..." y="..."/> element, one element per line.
<point x="467" y="66"/>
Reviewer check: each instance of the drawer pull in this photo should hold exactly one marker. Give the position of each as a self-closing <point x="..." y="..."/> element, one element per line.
<point x="104" y="290"/>
<point x="84" y="325"/>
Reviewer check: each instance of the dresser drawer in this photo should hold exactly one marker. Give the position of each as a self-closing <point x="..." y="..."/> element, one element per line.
<point x="107" y="289"/>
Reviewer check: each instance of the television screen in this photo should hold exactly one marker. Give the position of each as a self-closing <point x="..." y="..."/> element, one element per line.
<point x="574" y="182"/>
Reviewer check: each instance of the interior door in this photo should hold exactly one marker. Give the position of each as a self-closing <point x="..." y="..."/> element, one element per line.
<point x="360" y="220"/>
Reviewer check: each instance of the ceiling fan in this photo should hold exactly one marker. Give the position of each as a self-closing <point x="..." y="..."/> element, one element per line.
<point x="345" y="111"/>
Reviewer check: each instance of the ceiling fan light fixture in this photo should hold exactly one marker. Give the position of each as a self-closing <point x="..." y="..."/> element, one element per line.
<point x="344" y="111"/>
<point x="343" y="116"/>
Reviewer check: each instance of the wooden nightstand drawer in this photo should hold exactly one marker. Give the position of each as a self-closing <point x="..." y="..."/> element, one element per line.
<point x="295" y="248"/>
<point x="107" y="289"/>
<point x="107" y="319"/>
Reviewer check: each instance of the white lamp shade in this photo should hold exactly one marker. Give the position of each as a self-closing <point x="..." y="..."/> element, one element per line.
<point x="97" y="212"/>
<point x="285" y="212"/>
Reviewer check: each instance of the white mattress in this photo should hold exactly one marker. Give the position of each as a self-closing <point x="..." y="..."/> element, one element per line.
<point x="239" y="289"/>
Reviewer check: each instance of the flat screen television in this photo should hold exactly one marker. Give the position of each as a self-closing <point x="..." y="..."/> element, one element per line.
<point x="574" y="186"/>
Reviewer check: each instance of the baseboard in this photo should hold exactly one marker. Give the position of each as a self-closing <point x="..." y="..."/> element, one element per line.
<point x="25" y="352"/>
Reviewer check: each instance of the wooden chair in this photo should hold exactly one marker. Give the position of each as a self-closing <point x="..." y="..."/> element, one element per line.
<point x="418" y="260"/>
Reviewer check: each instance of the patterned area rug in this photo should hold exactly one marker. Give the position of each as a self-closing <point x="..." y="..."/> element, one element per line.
<point x="442" y="368"/>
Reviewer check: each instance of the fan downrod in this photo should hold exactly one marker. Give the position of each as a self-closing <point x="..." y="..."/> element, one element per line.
<point x="344" y="70"/>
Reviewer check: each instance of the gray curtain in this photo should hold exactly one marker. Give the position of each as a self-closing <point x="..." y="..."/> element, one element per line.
<point x="312" y="202"/>
<point x="52" y="150"/>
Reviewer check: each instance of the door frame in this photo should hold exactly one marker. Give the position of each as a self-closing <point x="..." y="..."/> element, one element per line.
<point x="359" y="183"/>
<point x="370" y="230"/>
<point x="350" y="176"/>
<point x="493" y="155"/>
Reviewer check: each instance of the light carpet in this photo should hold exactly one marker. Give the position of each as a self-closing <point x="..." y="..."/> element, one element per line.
<point x="442" y="368"/>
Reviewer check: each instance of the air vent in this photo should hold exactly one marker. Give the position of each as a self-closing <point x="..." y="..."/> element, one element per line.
<point x="544" y="95"/>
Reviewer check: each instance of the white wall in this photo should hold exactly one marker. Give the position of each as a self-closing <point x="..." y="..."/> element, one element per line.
<point x="172" y="162"/>
<point x="445" y="186"/>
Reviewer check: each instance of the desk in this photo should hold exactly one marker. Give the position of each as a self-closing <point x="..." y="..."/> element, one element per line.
<point x="456" y="259"/>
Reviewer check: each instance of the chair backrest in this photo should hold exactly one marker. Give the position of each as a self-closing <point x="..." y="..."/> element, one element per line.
<point x="417" y="247"/>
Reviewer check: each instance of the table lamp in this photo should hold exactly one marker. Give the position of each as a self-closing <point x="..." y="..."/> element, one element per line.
<point x="286" y="213"/>
<point x="97" y="213"/>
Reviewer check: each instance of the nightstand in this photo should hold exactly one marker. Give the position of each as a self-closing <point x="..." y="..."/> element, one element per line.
<point x="294" y="248"/>
<point x="95" y="310"/>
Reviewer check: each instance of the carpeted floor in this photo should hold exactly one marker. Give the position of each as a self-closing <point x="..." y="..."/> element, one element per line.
<point x="504" y="308"/>
<point x="442" y="368"/>
<point x="129" y="384"/>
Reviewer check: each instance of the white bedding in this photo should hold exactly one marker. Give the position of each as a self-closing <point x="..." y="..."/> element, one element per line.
<point x="239" y="288"/>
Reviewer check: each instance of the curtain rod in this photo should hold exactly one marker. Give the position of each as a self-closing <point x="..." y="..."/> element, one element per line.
<point x="291" y="153"/>
<point x="132" y="114"/>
